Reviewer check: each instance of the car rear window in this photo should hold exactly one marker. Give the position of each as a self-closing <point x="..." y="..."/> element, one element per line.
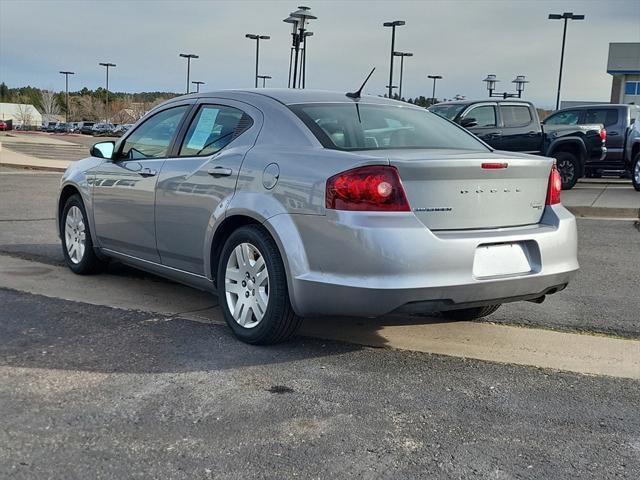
<point x="515" y="115"/>
<point x="605" y="116"/>
<point x="361" y="126"/>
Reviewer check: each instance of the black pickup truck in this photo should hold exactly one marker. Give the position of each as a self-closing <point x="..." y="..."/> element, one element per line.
<point x="514" y="125"/>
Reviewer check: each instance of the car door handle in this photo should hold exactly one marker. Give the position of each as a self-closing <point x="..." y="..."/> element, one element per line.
<point x="532" y="133"/>
<point x="612" y="134"/>
<point x="147" y="172"/>
<point x="219" y="171"/>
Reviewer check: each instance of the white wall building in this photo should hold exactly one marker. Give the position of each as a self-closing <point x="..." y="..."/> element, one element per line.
<point x="20" y="113"/>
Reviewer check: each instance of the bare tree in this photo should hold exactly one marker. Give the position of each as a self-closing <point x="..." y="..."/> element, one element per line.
<point x="49" y="103"/>
<point x="24" y="111"/>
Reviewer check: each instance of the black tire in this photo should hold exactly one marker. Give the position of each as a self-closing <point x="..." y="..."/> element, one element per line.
<point x="279" y="322"/>
<point x="89" y="263"/>
<point x="569" y="168"/>
<point x="470" y="313"/>
<point x="635" y="172"/>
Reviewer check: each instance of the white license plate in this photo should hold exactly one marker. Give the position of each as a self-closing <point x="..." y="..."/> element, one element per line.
<point x="503" y="259"/>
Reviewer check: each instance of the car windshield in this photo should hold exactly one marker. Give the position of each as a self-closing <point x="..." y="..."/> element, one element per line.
<point x="357" y="126"/>
<point x="450" y="111"/>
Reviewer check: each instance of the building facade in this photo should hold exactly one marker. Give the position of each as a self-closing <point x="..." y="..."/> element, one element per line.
<point x="624" y="66"/>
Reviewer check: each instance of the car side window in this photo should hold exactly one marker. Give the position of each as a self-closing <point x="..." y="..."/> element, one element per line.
<point x="212" y="129"/>
<point x="152" y="138"/>
<point x="570" y="117"/>
<point x="485" y="115"/>
<point x="515" y="115"/>
<point x="605" y="116"/>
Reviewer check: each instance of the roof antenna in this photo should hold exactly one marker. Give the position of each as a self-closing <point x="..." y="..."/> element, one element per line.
<point x="357" y="94"/>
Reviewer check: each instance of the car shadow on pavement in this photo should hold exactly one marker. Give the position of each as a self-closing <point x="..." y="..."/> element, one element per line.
<point x="49" y="333"/>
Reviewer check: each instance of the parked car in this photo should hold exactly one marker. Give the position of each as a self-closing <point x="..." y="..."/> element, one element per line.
<point x="120" y="130"/>
<point x="99" y="129"/>
<point x="86" y="127"/>
<point x="617" y="119"/>
<point x="51" y="127"/>
<point x="514" y="126"/>
<point x="632" y="151"/>
<point x="3" y="126"/>
<point x="64" y="127"/>
<point x="294" y="203"/>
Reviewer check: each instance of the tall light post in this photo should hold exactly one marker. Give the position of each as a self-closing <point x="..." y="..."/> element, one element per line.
<point x="393" y="25"/>
<point x="188" y="56"/>
<point x="264" y="79"/>
<point x="565" y="16"/>
<point x="302" y="16"/>
<point x="401" y="55"/>
<point x="304" y="57"/>
<point x="197" y="83"/>
<point x="294" y="25"/>
<point x="107" y="66"/>
<point x="257" y="38"/>
<point x="66" y="85"/>
<point x="433" y="93"/>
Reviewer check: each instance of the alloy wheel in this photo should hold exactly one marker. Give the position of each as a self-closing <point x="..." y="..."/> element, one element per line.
<point x="636" y="172"/>
<point x="567" y="171"/>
<point x="75" y="234"/>
<point x="246" y="285"/>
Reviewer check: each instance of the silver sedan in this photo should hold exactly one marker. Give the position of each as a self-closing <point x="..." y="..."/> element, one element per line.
<point x="296" y="203"/>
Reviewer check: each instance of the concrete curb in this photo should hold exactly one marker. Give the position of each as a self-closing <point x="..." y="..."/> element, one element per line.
<point x="33" y="167"/>
<point x="605" y="212"/>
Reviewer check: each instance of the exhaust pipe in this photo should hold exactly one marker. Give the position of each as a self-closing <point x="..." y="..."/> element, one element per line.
<point x="537" y="300"/>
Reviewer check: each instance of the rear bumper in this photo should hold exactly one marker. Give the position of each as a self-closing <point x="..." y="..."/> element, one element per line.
<point x="369" y="264"/>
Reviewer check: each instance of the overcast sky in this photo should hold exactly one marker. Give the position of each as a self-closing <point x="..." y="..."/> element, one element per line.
<point x="460" y="40"/>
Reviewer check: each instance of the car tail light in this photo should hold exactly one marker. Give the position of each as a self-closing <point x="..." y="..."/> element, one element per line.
<point x="603" y="134"/>
<point x="554" y="188"/>
<point x="371" y="188"/>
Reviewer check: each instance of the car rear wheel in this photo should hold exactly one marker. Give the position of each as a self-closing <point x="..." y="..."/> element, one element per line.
<point x="77" y="245"/>
<point x="635" y="172"/>
<point x="470" y="313"/>
<point x="252" y="288"/>
<point x="568" y="167"/>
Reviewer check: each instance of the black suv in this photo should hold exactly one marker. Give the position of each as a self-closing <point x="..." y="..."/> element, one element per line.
<point x="514" y="125"/>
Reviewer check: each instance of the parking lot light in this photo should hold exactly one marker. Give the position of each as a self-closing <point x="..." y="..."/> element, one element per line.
<point x="491" y="81"/>
<point x="393" y="25"/>
<point x="66" y="84"/>
<point x="433" y="93"/>
<point x="188" y="56"/>
<point x="401" y="55"/>
<point x="302" y="17"/>
<point x="197" y="83"/>
<point x="565" y="16"/>
<point x="107" y="65"/>
<point x="519" y="81"/>
<point x="264" y="79"/>
<point x="257" y="38"/>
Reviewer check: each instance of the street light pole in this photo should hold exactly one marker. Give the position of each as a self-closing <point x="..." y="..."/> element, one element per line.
<point x="107" y="65"/>
<point x="257" y="38"/>
<point x="401" y="55"/>
<point x="66" y="84"/>
<point x="393" y="25"/>
<point x="188" y="56"/>
<point x="302" y="17"/>
<point x="565" y="16"/>
<point x="197" y="84"/>
<point x="433" y="93"/>
<point x="264" y="79"/>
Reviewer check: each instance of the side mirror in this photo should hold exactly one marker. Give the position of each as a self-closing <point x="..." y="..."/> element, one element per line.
<point x="468" y="122"/>
<point x="103" y="150"/>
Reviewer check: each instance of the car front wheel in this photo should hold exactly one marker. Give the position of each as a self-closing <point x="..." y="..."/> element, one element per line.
<point x="252" y="288"/>
<point x="635" y="172"/>
<point x="77" y="245"/>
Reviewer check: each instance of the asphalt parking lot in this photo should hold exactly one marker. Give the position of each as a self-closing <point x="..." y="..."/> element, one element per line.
<point x="122" y="381"/>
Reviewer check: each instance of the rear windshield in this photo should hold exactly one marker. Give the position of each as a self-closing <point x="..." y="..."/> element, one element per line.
<point x="356" y="126"/>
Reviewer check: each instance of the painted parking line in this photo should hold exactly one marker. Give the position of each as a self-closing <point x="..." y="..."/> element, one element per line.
<point x="582" y="353"/>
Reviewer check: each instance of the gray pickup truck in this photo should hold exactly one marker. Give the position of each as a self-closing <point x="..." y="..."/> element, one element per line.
<point x="618" y="120"/>
<point x="514" y="125"/>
